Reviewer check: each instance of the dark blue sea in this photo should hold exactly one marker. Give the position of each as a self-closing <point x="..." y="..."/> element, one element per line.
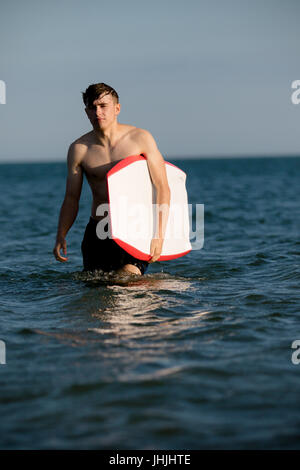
<point x="196" y="354"/>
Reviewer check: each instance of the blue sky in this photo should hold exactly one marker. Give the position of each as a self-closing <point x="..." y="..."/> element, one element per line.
<point x="206" y="78"/>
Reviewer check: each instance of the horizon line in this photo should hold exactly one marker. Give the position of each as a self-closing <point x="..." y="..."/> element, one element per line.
<point x="170" y="157"/>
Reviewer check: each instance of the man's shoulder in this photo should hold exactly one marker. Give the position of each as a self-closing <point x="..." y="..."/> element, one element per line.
<point x="78" y="148"/>
<point x="141" y="134"/>
<point x="80" y="145"/>
<point x="82" y="141"/>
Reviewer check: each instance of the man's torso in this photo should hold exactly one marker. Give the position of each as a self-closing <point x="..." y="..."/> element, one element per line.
<point x="98" y="160"/>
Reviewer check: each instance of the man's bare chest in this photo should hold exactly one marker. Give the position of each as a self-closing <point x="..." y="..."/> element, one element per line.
<point x="97" y="162"/>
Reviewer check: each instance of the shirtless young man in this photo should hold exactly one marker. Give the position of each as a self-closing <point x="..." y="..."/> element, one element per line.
<point x="94" y="154"/>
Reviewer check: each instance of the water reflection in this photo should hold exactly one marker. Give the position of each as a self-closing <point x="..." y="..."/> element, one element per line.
<point x="155" y="307"/>
<point x="146" y="327"/>
<point x="135" y="328"/>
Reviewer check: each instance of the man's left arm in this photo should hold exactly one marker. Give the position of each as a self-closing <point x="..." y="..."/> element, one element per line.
<point x="158" y="174"/>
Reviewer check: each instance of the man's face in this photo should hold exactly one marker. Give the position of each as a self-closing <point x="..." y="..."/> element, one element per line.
<point x="103" y="111"/>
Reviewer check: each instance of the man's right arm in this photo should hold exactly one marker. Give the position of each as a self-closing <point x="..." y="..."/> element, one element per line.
<point x="70" y="205"/>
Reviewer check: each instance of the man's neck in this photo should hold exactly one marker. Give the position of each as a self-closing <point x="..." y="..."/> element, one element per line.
<point x="107" y="137"/>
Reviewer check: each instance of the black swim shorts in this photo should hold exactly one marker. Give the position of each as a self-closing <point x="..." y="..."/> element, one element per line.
<point x="105" y="254"/>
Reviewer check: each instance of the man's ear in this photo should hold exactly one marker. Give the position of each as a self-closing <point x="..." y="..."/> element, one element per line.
<point x="118" y="108"/>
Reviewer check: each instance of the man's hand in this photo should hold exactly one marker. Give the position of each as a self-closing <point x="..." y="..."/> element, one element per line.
<point x="155" y="249"/>
<point x="60" y="244"/>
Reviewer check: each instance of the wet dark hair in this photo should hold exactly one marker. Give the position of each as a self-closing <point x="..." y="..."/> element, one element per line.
<point x="97" y="89"/>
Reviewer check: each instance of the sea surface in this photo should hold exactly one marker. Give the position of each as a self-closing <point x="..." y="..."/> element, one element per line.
<point x="196" y="354"/>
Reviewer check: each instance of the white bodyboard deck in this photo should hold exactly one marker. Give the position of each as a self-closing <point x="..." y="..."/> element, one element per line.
<point x="132" y="199"/>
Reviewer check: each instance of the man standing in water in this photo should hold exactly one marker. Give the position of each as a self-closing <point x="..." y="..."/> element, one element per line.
<point x="94" y="154"/>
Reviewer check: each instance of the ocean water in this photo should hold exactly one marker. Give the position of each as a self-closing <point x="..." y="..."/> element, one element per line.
<point x="196" y="354"/>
